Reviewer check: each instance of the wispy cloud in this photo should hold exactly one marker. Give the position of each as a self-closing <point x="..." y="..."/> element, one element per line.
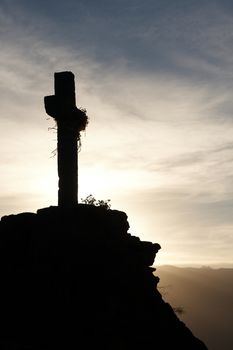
<point x="157" y="84"/>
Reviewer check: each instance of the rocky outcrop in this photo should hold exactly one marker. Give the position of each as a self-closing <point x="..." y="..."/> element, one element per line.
<point x="78" y="279"/>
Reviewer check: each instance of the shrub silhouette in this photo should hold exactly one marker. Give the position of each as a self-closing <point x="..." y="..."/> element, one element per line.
<point x="90" y="200"/>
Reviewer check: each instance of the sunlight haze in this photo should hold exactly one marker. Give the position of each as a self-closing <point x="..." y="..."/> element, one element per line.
<point x="156" y="79"/>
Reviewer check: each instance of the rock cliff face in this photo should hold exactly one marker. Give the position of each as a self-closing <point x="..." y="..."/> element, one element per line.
<point x="78" y="280"/>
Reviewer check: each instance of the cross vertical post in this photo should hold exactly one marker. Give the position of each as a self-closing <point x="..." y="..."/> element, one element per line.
<point x="70" y="121"/>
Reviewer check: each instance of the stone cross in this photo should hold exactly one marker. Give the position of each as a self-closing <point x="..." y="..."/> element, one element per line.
<point x="70" y="121"/>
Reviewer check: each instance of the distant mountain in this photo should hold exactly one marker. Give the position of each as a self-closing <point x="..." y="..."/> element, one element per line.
<point x="206" y="297"/>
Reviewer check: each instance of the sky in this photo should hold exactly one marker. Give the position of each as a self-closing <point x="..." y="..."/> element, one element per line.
<point x="156" y="79"/>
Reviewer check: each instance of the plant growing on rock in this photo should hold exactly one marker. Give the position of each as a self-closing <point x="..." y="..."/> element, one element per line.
<point x="90" y="200"/>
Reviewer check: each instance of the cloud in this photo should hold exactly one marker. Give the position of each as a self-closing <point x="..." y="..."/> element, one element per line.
<point x="156" y="80"/>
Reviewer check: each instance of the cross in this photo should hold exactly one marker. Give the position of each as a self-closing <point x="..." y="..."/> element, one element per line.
<point x="70" y="121"/>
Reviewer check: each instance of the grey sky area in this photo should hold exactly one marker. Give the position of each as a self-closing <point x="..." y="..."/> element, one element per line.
<point x="156" y="78"/>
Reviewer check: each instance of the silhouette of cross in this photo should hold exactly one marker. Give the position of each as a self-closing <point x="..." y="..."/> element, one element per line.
<point x="70" y="121"/>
